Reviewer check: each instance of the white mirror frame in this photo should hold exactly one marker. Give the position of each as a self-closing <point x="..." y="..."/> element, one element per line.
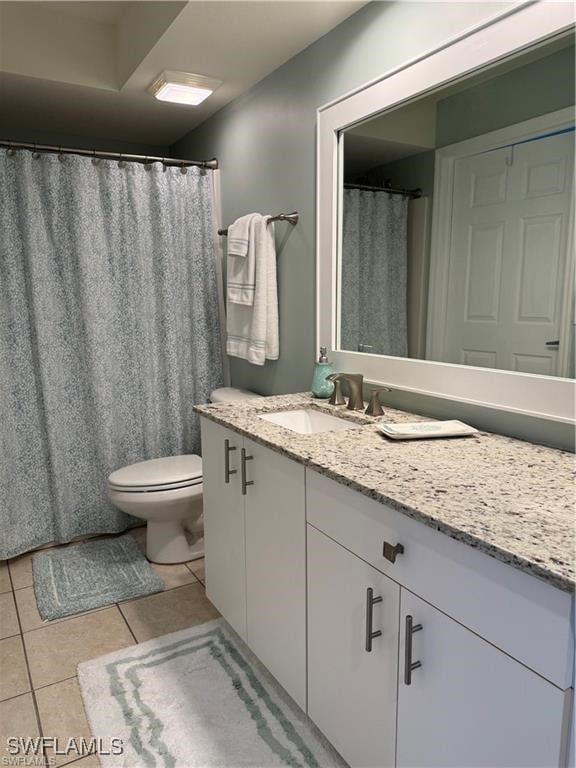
<point x="545" y="397"/>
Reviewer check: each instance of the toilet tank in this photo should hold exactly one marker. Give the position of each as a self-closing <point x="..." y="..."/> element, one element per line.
<point x="229" y="394"/>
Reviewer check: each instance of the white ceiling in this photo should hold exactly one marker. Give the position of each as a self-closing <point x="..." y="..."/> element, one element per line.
<point x="81" y="68"/>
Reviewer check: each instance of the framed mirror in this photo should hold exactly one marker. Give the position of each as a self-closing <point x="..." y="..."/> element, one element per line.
<point x="445" y="220"/>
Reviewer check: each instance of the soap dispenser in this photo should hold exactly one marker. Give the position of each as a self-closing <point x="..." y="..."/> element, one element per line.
<point x="320" y="386"/>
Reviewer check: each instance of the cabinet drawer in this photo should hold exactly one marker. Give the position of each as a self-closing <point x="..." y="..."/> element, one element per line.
<point x="518" y="613"/>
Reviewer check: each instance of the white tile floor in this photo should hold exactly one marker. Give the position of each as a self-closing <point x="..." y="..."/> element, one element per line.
<point x="39" y="692"/>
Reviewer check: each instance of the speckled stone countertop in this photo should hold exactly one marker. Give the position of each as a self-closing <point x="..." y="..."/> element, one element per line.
<point x="510" y="499"/>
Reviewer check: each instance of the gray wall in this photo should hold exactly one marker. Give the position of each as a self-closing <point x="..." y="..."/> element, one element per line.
<point x="540" y="87"/>
<point x="415" y="171"/>
<point x="82" y="142"/>
<point x="265" y="144"/>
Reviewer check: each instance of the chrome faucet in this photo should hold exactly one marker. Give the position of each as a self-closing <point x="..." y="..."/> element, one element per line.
<point x="355" y="380"/>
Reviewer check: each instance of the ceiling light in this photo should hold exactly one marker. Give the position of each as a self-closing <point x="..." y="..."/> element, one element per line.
<point x="182" y="87"/>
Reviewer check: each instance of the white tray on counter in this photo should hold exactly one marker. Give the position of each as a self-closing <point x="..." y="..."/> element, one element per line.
<point x="417" y="430"/>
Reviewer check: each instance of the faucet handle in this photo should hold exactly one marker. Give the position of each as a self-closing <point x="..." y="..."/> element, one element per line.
<point x="374" y="407"/>
<point x="336" y="398"/>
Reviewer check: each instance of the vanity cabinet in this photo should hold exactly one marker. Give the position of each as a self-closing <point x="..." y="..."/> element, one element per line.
<point x="433" y="692"/>
<point x="469" y="704"/>
<point x="406" y="647"/>
<point x="254" y="529"/>
<point x="352" y="691"/>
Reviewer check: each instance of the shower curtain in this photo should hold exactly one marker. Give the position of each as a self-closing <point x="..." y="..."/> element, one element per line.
<point x="374" y="273"/>
<point x="109" y="333"/>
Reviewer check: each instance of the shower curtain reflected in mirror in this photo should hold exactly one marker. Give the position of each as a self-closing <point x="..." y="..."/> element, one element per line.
<point x="374" y="273"/>
<point x="109" y="333"/>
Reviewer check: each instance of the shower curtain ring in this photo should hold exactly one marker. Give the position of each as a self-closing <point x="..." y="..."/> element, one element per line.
<point x="60" y="154"/>
<point x="35" y="154"/>
<point x="147" y="165"/>
<point x="94" y="158"/>
<point x="121" y="162"/>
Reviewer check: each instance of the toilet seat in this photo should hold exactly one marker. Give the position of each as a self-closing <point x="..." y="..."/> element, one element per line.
<point x="165" y="474"/>
<point x="154" y="488"/>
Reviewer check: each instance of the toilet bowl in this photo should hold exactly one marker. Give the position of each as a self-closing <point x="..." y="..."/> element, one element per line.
<point x="167" y="493"/>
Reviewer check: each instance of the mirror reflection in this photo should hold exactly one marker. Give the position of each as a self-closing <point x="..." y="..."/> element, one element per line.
<point x="456" y="239"/>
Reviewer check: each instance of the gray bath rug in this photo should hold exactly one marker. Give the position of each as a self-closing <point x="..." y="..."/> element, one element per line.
<point x="91" y="575"/>
<point x="197" y="698"/>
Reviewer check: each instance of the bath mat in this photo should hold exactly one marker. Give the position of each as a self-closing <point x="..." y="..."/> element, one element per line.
<point x="91" y="575"/>
<point x="197" y="698"/>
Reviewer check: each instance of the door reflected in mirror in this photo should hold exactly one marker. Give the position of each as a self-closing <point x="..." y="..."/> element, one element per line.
<point x="456" y="222"/>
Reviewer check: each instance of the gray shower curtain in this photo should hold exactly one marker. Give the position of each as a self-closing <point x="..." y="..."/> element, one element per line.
<point x="109" y="333"/>
<point x="374" y="273"/>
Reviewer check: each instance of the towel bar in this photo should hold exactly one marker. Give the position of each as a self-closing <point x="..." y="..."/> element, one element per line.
<point x="291" y="218"/>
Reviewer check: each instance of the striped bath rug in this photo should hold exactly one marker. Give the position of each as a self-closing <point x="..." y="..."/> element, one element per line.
<point x="91" y="575"/>
<point x="197" y="698"/>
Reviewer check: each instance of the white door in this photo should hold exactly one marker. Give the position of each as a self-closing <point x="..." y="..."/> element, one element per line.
<point x="224" y="523"/>
<point x="470" y="704"/>
<point x="351" y="691"/>
<point x="509" y="258"/>
<point x="276" y="566"/>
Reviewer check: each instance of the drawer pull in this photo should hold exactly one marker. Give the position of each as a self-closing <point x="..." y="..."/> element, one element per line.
<point x="243" y="460"/>
<point x="370" y="634"/>
<point x="391" y="550"/>
<point x="409" y="665"/>
<point x="227" y="470"/>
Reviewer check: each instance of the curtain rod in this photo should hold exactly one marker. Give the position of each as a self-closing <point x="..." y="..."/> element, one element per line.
<point x="414" y="193"/>
<point x="212" y="164"/>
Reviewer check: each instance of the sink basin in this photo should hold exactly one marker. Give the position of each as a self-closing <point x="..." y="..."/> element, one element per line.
<point x="307" y="422"/>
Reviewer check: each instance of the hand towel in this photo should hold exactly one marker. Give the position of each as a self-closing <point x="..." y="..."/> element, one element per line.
<point x="252" y="331"/>
<point x="240" y="265"/>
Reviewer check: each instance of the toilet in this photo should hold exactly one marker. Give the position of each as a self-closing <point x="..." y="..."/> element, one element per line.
<point x="167" y="493"/>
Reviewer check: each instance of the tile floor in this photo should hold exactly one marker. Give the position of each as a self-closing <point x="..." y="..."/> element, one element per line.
<point x="39" y="692"/>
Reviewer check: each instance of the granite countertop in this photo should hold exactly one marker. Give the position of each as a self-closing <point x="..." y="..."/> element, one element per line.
<point x="510" y="499"/>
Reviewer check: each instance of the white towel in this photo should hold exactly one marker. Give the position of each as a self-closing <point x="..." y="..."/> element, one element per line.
<point x="252" y="331"/>
<point x="240" y="264"/>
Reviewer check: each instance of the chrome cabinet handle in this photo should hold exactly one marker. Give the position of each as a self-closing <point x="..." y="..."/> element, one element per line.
<point x="409" y="665"/>
<point x="389" y="551"/>
<point x="243" y="460"/>
<point x="370" y="634"/>
<point x="227" y="470"/>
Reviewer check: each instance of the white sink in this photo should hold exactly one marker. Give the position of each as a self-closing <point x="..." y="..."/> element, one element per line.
<point x="307" y="422"/>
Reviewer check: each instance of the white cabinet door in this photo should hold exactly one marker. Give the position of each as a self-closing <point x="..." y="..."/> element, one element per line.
<point x="351" y="692"/>
<point x="224" y="524"/>
<point x="276" y="566"/>
<point x="469" y="704"/>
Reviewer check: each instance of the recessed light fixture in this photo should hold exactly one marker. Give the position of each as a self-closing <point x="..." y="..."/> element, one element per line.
<point x="182" y="87"/>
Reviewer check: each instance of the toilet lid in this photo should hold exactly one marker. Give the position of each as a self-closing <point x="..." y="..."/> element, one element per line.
<point x="167" y="471"/>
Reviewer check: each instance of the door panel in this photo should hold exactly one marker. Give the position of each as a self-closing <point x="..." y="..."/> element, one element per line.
<point x="469" y="704"/>
<point x="276" y="566"/>
<point x="351" y="693"/>
<point x="224" y="525"/>
<point x="509" y="256"/>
